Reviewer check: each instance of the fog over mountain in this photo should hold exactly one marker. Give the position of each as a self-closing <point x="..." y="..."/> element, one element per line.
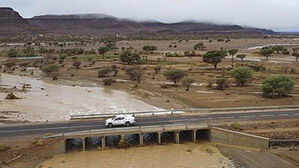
<point x="279" y="15"/>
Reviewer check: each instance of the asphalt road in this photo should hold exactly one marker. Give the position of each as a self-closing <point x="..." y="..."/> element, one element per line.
<point x="73" y="126"/>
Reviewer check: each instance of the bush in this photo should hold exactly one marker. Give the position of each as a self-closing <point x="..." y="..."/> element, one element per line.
<point x="174" y="75"/>
<point x="236" y="126"/>
<point x="104" y="71"/>
<point x="108" y="81"/>
<point x="187" y="82"/>
<point x="12" y="53"/>
<point x="129" y="57"/>
<point x="135" y="73"/>
<point x="242" y="75"/>
<point x="214" y="57"/>
<point x="4" y="147"/>
<point x="50" y="69"/>
<point x="278" y="86"/>
<point x="77" y="64"/>
<point x="157" y="69"/>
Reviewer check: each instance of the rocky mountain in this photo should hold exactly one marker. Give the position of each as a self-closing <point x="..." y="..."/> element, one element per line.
<point x="102" y="25"/>
<point x="11" y="23"/>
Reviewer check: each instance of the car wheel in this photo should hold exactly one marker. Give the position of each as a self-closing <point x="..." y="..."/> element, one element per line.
<point x="110" y="125"/>
<point x="128" y="124"/>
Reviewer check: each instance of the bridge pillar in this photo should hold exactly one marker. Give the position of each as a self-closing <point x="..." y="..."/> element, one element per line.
<point x="177" y="137"/>
<point x="159" y="138"/>
<point x="140" y="139"/>
<point x="83" y="144"/>
<point x="194" y="135"/>
<point x="103" y="139"/>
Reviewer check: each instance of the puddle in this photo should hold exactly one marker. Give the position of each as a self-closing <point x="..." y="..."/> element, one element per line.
<point x="45" y="101"/>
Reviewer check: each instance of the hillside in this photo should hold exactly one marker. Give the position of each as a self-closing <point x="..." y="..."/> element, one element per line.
<point x="103" y="25"/>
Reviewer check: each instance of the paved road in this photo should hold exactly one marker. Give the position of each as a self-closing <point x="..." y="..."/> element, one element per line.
<point x="73" y="126"/>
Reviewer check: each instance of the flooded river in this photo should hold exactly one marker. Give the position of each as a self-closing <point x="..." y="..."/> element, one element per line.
<point x="52" y="102"/>
<point x="201" y="155"/>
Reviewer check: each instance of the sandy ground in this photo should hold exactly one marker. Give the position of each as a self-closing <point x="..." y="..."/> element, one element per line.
<point x="274" y="158"/>
<point x="166" y="156"/>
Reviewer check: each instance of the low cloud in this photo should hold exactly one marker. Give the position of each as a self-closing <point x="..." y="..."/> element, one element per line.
<point x="271" y="14"/>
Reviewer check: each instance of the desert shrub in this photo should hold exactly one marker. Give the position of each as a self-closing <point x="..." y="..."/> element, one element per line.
<point x="104" y="71"/>
<point x="221" y="83"/>
<point x="129" y="57"/>
<point x="174" y="75"/>
<point x="157" y="69"/>
<point x="29" y="52"/>
<point x="103" y="50"/>
<point x="200" y="46"/>
<point x="12" y="52"/>
<point x="135" y="73"/>
<point x="242" y="75"/>
<point x="278" y="86"/>
<point x="236" y="126"/>
<point x="77" y="64"/>
<point x="267" y="52"/>
<point x="4" y="147"/>
<point x="50" y="69"/>
<point x="187" y="81"/>
<point x="293" y="70"/>
<point x="108" y="81"/>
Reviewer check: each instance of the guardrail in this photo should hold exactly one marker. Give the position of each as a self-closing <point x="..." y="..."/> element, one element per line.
<point x="190" y="110"/>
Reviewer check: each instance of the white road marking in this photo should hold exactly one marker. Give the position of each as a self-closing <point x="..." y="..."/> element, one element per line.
<point x="247" y="116"/>
<point x="269" y="115"/>
<point x="226" y="117"/>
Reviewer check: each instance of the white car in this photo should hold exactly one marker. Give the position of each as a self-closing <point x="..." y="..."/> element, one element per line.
<point x="120" y="120"/>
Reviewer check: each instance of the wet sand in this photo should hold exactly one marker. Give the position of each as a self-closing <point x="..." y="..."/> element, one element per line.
<point x="52" y="102"/>
<point x="190" y="155"/>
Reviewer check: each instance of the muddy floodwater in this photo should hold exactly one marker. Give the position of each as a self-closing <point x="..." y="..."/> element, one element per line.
<point x="44" y="101"/>
<point x="191" y="155"/>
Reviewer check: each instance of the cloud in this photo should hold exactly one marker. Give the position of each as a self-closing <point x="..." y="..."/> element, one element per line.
<point x="273" y="14"/>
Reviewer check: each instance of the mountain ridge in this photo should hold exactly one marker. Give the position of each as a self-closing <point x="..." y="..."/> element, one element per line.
<point x="106" y="25"/>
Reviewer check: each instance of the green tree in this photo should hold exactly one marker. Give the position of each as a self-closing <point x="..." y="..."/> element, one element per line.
<point x="135" y="73"/>
<point x="242" y="75"/>
<point x="199" y="46"/>
<point x="29" y="52"/>
<point x="103" y="50"/>
<point x="278" y="86"/>
<point x="50" y="69"/>
<point x="241" y="56"/>
<point x="233" y="52"/>
<point x="12" y="52"/>
<point x="187" y="81"/>
<point x="174" y="75"/>
<point x="104" y="71"/>
<point x="129" y="57"/>
<point x="214" y="57"/>
<point x="267" y="52"/>
<point x="278" y="48"/>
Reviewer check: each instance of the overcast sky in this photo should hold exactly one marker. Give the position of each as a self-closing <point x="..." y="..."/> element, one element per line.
<point x="279" y="15"/>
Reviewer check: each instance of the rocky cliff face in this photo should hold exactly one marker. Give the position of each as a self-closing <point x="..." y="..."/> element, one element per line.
<point x="11" y="23"/>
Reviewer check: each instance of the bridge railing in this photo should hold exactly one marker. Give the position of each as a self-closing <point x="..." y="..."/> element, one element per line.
<point x="190" y="110"/>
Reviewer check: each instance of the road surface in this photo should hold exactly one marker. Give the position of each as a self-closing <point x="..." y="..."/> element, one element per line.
<point x="73" y="126"/>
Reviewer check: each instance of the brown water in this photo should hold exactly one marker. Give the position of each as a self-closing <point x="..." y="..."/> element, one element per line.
<point x="45" y="101"/>
<point x="190" y="155"/>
